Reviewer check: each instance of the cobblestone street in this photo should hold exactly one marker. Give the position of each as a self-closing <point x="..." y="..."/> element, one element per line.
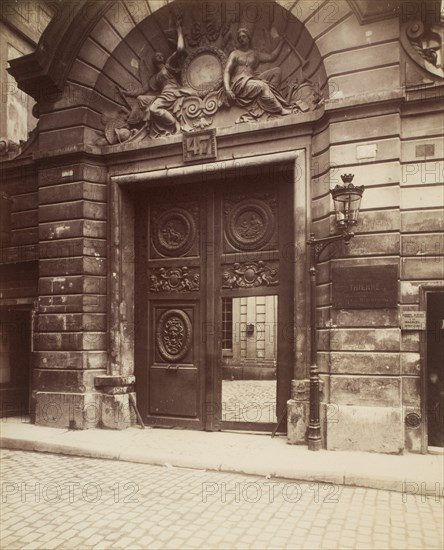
<point x="63" y="502"/>
<point x="249" y="400"/>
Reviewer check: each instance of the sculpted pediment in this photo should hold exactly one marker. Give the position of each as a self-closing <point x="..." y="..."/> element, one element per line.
<point x="215" y="71"/>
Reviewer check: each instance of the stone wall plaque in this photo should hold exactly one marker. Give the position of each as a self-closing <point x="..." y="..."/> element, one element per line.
<point x="365" y="287"/>
<point x="413" y="320"/>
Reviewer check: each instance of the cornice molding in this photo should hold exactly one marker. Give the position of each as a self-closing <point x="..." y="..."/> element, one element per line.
<point x="369" y="11"/>
<point x="43" y="71"/>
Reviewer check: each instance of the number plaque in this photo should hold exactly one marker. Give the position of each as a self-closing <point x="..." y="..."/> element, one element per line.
<point x="199" y="145"/>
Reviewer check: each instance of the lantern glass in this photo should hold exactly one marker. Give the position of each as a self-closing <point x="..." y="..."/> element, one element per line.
<point x="347" y="201"/>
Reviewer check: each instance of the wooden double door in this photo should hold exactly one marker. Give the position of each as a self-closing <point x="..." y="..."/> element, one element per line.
<point x="200" y="246"/>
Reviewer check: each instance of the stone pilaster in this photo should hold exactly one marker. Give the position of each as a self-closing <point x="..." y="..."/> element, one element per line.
<point x="70" y="342"/>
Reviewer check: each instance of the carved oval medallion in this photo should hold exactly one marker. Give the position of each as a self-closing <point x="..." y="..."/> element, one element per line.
<point x="250" y="224"/>
<point x="203" y="70"/>
<point x="174" y="232"/>
<point x="173" y="335"/>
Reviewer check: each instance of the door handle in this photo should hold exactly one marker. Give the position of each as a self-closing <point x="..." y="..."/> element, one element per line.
<point x="172" y="368"/>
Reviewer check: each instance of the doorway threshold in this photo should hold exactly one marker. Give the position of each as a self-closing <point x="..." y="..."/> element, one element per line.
<point x="253" y="432"/>
<point x="435" y="450"/>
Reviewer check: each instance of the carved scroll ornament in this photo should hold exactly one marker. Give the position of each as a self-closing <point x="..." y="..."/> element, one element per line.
<point x="174" y="279"/>
<point x="424" y="45"/>
<point x="250" y="275"/>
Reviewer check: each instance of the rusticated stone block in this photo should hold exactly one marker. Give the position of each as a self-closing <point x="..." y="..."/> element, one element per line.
<point x="411" y="391"/>
<point x="365" y="317"/>
<point x="422" y="220"/>
<point x="27" y="201"/>
<point x="70" y="341"/>
<point x="117" y="412"/>
<point x="413" y="434"/>
<point x="410" y="340"/>
<point x="70" y="381"/>
<point x="73" y="266"/>
<point x="66" y="192"/>
<point x="72" y="229"/>
<point x="364" y="363"/>
<point x="359" y="339"/>
<point x="423" y="245"/>
<point x="24" y="219"/>
<point x="78" y="411"/>
<point x="372" y="429"/>
<point x="71" y="322"/>
<point x="374" y="244"/>
<point x="420" y="196"/>
<point x="300" y="390"/>
<point x="110" y="380"/>
<point x="74" y="284"/>
<point x="427" y="124"/>
<point x="70" y="359"/>
<point x="373" y="128"/>
<point x="86" y="303"/>
<point x="72" y="211"/>
<point x="297" y="422"/>
<point x="378" y="221"/>
<point x="410" y="363"/>
<point x="422" y="268"/>
<point x="71" y="117"/>
<point x="380" y="391"/>
<point x="26" y="236"/>
<point x="72" y="172"/>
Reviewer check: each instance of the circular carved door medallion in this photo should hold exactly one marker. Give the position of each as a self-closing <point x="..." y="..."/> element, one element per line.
<point x="174" y="232"/>
<point x="173" y="335"/>
<point x="250" y="224"/>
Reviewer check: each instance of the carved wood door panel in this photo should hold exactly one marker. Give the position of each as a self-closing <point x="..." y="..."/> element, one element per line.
<point x="256" y="260"/>
<point x="197" y="245"/>
<point x="169" y="305"/>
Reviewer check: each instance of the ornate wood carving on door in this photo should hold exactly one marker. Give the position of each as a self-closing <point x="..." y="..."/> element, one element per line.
<point x="257" y="227"/>
<point x="169" y="383"/>
<point x="196" y="246"/>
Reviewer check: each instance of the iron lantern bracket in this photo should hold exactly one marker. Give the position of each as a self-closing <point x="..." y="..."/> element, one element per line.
<point x="317" y="246"/>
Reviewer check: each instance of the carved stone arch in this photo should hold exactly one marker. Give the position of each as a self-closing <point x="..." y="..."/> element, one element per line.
<point x="95" y="45"/>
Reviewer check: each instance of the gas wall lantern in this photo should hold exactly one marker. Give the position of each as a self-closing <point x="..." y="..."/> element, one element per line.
<point x="347" y="201"/>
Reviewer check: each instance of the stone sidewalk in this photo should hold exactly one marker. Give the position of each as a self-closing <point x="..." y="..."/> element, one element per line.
<point x="234" y="452"/>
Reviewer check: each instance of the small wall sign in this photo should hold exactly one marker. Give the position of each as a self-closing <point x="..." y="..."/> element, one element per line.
<point x="413" y="320"/>
<point x="199" y="145"/>
<point x="365" y="287"/>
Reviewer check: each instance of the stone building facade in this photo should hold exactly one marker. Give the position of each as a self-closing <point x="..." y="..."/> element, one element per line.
<point x="156" y="185"/>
